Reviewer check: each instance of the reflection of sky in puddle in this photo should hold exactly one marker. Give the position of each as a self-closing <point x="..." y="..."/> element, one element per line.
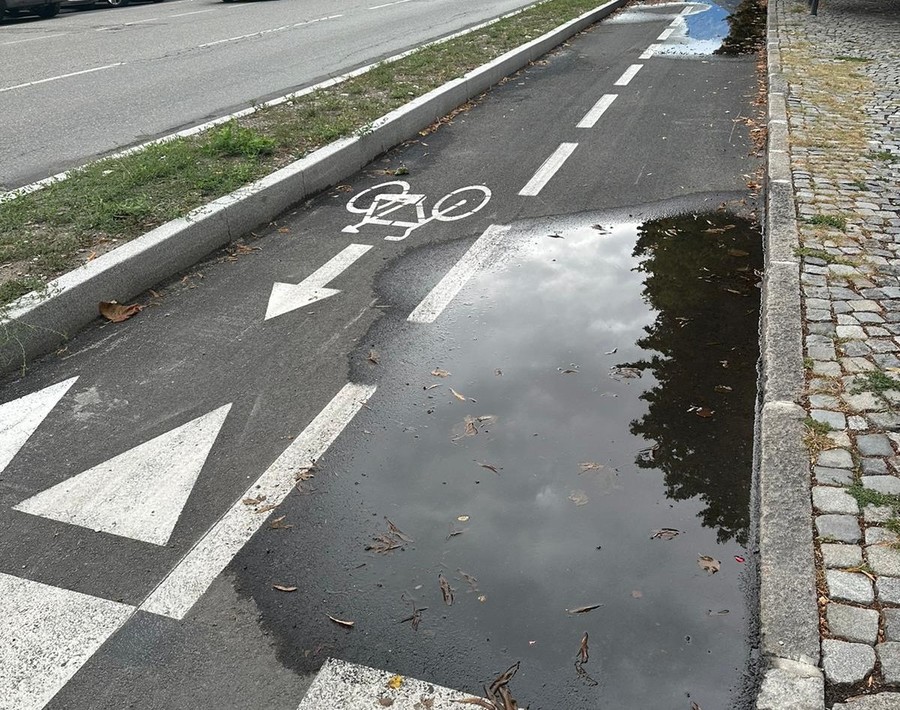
<point x="700" y="32"/>
<point x="541" y="535"/>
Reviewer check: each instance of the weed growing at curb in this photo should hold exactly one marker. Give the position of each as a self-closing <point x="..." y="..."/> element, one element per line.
<point x="816" y="437"/>
<point x="817" y="427"/>
<point x="829" y="220"/>
<point x="820" y="254"/>
<point x="885" y="155"/>
<point x="849" y="58"/>
<point x="51" y="231"/>
<point x="874" y="381"/>
<point x="866" y="496"/>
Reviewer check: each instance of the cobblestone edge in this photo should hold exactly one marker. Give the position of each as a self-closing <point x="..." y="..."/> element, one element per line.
<point x="789" y="619"/>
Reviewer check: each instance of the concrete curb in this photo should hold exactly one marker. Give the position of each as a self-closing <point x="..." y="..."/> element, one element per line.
<point x="789" y="617"/>
<point x="39" y="323"/>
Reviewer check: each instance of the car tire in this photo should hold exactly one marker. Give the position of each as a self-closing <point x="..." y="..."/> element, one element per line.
<point x="118" y="3"/>
<point x="47" y="11"/>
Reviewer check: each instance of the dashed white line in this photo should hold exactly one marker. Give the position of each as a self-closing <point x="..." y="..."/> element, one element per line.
<point x="446" y="289"/>
<point x="268" y="31"/>
<point x="599" y="108"/>
<point x="629" y="74"/>
<point x="388" y="4"/>
<point x="33" y="39"/>
<point x="61" y="76"/>
<point x="649" y="52"/>
<point x="665" y="34"/>
<point x="548" y="169"/>
<point x="195" y="12"/>
<point x="688" y="10"/>
<point x="191" y="577"/>
<point x="127" y="24"/>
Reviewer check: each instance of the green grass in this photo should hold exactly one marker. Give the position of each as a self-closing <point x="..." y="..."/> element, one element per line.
<point x="829" y="220"/>
<point x="885" y="155"/>
<point x="816" y="426"/>
<point x="820" y="254"/>
<point x="866" y="496"/>
<point x="48" y="232"/>
<point x="874" y="381"/>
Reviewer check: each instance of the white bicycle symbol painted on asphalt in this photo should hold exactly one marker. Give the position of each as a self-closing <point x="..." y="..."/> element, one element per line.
<point x="377" y="203"/>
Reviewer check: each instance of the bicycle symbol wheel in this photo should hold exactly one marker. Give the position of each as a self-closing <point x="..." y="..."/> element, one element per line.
<point x="476" y="197"/>
<point x="354" y="204"/>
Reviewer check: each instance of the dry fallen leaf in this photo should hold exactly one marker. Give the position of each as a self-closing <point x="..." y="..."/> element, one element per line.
<point x="708" y="564"/>
<point x="694" y="706"/>
<point x="373" y="357"/>
<point x="462" y="518"/>
<point x="460" y="397"/>
<point x="723" y="388"/>
<point x="253" y="501"/>
<point x="116" y="312"/>
<point x="342" y="622"/>
<point x="438" y="372"/>
<point x="590" y="466"/>
<point x="283" y="588"/>
<point x="488" y="466"/>
<point x="279" y="524"/>
<point x="579" y="498"/>
<point x="704" y="412"/>
<point x="583" y="609"/>
<point x="395" y="682"/>
<point x="738" y="252"/>
<point x="446" y="590"/>
<point x="665" y="534"/>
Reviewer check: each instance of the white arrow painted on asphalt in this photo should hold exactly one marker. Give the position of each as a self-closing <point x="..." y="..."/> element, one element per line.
<point x="288" y="297"/>
<point x="140" y="493"/>
<point x="19" y="418"/>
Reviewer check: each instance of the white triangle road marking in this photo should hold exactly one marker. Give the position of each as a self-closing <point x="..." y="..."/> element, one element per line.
<point x="48" y="633"/>
<point x="349" y="686"/>
<point x="288" y="297"/>
<point x="139" y="493"/>
<point x="20" y="417"/>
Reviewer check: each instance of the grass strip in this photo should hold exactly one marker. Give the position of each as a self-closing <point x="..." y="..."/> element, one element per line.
<point x="48" y="232"/>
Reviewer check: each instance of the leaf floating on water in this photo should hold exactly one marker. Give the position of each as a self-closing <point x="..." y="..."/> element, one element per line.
<point x="556" y="236"/>
<point x="581" y="659"/>
<point x="721" y="612"/>
<point x="460" y="397"/>
<point x="284" y="588"/>
<point x="708" y="564"/>
<point x="482" y="598"/>
<point x="737" y="252"/>
<point x="438" y="372"/>
<point x="568" y="371"/>
<point x="637" y="594"/>
<point x="583" y="609"/>
<point x="446" y="590"/>
<point x="470" y="580"/>
<point x="665" y="534"/>
<point x="704" y="412"/>
<point x="622" y="372"/>
<point x="116" y="312"/>
<point x="498" y="372"/>
<point x="722" y="389"/>
<point x="398" y="532"/>
<point x="579" y="498"/>
<point x="694" y="706"/>
<point x="454" y="532"/>
<point x="611" y="352"/>
<point x="488" y="466"/>
<point x="739" y="559"/>
<point x="342" y="622"/>
<point x="430" y="387"/>
<point x="498" y="692"/>
<point x="462" y="518"/>
<point x="586" y="466"/>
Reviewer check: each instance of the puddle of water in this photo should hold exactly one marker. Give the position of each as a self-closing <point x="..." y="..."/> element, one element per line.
<point x="614" y="373"/>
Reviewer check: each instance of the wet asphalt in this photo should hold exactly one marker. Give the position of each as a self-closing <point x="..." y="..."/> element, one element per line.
<point x="607" y="367"/>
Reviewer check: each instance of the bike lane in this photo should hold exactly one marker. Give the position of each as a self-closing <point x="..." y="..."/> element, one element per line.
<point x="237" y="388"/>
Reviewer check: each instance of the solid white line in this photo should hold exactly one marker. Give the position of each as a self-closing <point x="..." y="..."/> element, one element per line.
<point x="665" y="34"/>
<point x="388" y="4"/>
<point x="185" y="14"/>
<point x="649" y="52"/>
<point x="440" y="296"/>
<point x="191" y="577"/>
<point x="628" y="75"/>
<point x="33" y="39"/>
<point x="61" y="76"/>
<point x="592" y="116"/>
<point x="48" y="633"/>
<point x="268" y="31"/>
<point x="548" y="169"/>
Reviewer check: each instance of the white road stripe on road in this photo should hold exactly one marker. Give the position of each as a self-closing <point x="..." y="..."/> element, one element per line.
<point x="20" y="417"/>
<point x="649" y="52"/>
<point x="33" y="39"/>
<point x="388" y="4"/>
<point x="141" y="492"/>
<point x="48" y="634"/>
<point x="349" y="686"/>
<point x="191" y="577"/>
<point x="61" y="76"/>
<point x="268" y="31"/>
<point x="185" y="14"/>
<point x="592" y="116"/>
<point x="548" y="169"/>
<point x="445" y="291"/>
<point x="688" y="10"/>
<point x="628" y="75"/>
<point x="665" y="34"/>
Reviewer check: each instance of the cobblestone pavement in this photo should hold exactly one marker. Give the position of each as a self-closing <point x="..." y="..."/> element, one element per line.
<point x="843" y="73"/>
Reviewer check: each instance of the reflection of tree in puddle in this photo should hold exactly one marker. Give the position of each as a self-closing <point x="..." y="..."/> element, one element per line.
<point x="700" y="279"/>
<point x="748" y="29"/>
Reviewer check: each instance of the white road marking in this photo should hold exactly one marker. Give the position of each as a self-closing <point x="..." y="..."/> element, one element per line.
<point x="61" y="76"/>
<point x="140" y="493"/>
<point x="185" y="14"/>
<point x="548" y="169"/>
<point x="191" y="577"/>
<point x="649" y="52"/>
<point x="33" y="39"/>
<point x="446" y="289"/>
<point x="592" y="116"/>
<point x="268" y="31"/>
<point x="288" y="297"/>
<point x="665" y="34"/>
<point x="688" y="10"/>
<point x="20" y="417"/>
<point x="349" y="686"/>
<point x="48" y="634"/>
<point x="628" y="75"/>
<point x="388" y="4"/>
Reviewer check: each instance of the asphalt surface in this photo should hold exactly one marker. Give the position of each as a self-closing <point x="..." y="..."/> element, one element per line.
<point x="671" y="143"/>
<point x="131" y="74"/>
